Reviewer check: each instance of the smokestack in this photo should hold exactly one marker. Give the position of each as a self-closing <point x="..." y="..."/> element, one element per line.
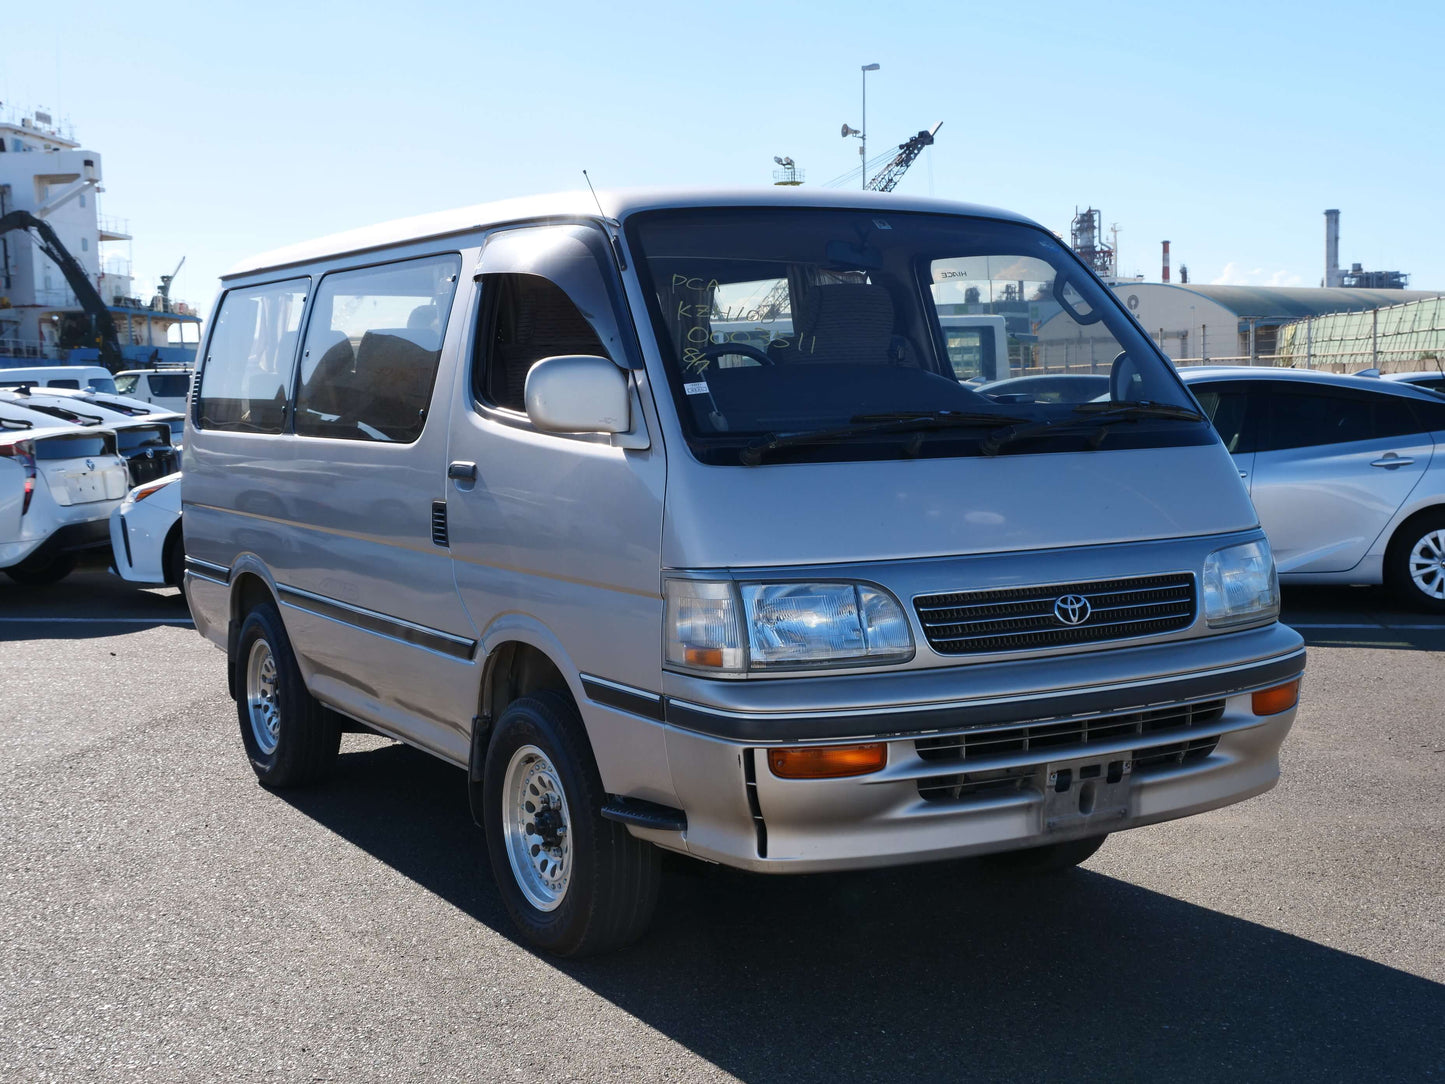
<point x="1332" y="248"/>
<point x="1166" y="263"/>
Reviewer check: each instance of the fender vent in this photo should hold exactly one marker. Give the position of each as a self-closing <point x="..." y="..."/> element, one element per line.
<point x="439" y="522"/>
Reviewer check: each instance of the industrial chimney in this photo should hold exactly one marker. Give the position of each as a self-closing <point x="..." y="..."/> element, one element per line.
<point x="1332" y="248"/>
<point x="1166" y="263"/>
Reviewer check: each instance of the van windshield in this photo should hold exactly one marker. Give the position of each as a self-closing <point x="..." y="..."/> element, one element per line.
<point x="840" y="335"/>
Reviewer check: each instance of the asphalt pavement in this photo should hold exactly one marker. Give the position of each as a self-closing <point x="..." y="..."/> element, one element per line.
<point x="169" y="919"/>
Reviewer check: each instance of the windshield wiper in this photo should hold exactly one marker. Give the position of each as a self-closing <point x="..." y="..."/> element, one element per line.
<point x="904" y="421"/>
<point x="1094" y="418"/>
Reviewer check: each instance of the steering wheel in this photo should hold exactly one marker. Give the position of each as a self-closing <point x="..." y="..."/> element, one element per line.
<point x="747" y="350"/>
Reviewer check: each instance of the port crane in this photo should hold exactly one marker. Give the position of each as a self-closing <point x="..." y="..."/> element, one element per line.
<point x="886" y="180"/>
<point x="102" y="327"/>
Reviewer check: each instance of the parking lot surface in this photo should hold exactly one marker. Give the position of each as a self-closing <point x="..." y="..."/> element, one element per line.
<point x="169" y="919"/>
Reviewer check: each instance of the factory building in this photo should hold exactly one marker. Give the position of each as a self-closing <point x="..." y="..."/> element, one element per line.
<point x="1196" y="323"/>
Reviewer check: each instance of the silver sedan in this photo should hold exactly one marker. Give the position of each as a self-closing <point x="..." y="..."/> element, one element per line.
<point x="1342" y="473"/>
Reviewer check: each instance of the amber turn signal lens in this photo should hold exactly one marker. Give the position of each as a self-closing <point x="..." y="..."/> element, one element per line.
<point x="703" y="656"/>
<point x="1278" y="699"/>
<point x="827" y="761"/>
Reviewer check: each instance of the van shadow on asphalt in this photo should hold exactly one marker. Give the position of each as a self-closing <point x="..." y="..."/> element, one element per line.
<point x="938" y="971"/>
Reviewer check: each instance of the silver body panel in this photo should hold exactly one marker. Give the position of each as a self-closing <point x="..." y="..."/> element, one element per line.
<point x="561" y="542"/>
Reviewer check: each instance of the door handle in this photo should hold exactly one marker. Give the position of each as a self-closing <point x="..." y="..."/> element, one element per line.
<point x="1390" y="461"/>
<point x="462" y="471"/>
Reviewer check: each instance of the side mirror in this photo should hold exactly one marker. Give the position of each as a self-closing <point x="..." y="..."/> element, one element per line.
<point x="578" y="393"/>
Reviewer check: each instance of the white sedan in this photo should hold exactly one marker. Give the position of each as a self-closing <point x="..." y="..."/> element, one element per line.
<point x="145" y="533"/>
<point x="1344" y="471"/>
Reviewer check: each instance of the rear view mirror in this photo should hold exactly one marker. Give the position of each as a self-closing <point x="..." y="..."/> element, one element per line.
<point x="578" y="393"/>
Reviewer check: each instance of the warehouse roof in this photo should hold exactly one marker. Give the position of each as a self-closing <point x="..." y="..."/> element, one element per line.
<point x="1293" y="302"/>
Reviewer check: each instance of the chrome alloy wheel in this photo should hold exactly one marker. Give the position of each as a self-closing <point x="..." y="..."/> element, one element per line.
<point x="262" y="703"/>
<point x="1427" y="565"/>
<point x="537" y="829"/>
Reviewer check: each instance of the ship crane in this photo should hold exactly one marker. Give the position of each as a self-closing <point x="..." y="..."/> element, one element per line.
<point x="102" y="326"/>
<point x="165" y="287"/>
<point x="888" y="177"/>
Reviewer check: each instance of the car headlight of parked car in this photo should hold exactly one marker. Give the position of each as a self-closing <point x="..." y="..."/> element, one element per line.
<point x="1240" y="585"/>
<point x="725" y="627"/>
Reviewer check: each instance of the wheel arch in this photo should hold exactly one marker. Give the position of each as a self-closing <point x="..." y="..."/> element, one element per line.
<point x="249" y="587"/>
<point x="519" y="660"/>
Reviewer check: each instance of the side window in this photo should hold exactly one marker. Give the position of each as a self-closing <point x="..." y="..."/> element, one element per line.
<point x="528" y="318"/>
<point x="66" y="382"/>
<point x="249" y="357"/>
<point x="1226" y="406"/>
<point x="170" y="385"/>
<point x="372" y="348"/>
<point x="1314" y="419"/>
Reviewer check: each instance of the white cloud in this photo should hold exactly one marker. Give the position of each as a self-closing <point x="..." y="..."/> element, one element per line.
<point x="1235" y="275"/>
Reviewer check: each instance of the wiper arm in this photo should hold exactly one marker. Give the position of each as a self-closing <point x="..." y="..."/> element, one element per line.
<point x="1144" y="409"/>
<point x="866" y="424"/>
<point x="1095" y="418"/>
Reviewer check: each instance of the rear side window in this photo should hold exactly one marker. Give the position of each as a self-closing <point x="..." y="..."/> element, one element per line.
<point x="170" y="385"/>
<point x="372" y="347"/>
<point x="66" y="383"/>
<point x="1311" y="419"/>
<point x="528" y="318"/>
<point x="248" y="360"/>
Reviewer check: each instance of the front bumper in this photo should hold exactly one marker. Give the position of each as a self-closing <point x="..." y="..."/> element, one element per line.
<point x="1177" y="718"/>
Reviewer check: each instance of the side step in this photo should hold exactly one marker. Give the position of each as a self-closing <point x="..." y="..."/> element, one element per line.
<point x="644" y="814"/>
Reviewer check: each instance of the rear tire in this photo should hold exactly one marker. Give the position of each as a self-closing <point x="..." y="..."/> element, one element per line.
<point x="1050" y="858"/>
<point x="574" y="883"/>
<point x="51" y="569"/>
<point x="1415" y="562"/>
<point x="290" y="739"/>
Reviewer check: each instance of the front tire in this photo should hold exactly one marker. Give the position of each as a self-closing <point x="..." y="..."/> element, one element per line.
<point x="574" y="883"/>
<point x="173" y="561"/>
<point x="1415" y="563"/>
<point x="290" y="738"/>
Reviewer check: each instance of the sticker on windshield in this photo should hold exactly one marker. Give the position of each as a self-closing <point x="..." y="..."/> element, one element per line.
<point x="698" y="387"/>
<point x="881" y="224"/>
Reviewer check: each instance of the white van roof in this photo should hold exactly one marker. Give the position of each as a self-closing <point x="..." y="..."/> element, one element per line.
<point x="615" y="204"/>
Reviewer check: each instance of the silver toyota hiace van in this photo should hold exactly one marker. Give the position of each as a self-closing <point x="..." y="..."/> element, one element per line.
<point x="674" y="522"/>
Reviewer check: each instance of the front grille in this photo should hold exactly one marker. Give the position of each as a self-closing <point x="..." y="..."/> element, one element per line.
<point x="147" y="467"/>
<point x="1163" y="735"/>
<point x="1019" y="618"/>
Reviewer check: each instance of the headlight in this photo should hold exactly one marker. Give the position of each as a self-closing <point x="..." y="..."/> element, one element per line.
<point x="1240" y="585"/>
<point x="784" y="625"/>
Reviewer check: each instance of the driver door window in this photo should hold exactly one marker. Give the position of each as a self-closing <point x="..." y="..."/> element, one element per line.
<point x="527" y="318"/>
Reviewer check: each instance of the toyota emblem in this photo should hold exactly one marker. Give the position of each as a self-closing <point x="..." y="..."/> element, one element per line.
<point x="1072" y="609"/>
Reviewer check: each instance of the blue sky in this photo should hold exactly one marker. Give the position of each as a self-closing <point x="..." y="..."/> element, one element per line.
<point x="1227" y="128"/>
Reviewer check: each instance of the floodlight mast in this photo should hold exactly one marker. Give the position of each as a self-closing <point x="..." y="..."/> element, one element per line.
<point x="863" y="150"/>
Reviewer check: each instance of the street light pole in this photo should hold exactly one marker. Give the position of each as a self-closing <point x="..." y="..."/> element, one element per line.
<point x="863" y="150"/>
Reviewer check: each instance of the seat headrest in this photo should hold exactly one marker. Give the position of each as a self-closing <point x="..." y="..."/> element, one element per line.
<point x="846" y="322"/>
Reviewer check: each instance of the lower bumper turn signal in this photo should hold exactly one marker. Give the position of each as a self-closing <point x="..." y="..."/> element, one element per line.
<point x="828" y="761"/>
